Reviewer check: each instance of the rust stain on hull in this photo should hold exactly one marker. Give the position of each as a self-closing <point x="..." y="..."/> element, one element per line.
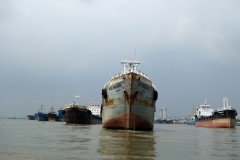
<point x="120" y="123"/>
<point x="109" y="102"/>
<point x="129" y="102"/>
<point x="217" y="123"/>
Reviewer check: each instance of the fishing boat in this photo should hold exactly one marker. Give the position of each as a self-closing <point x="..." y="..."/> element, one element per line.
<point x="129" y="99"/>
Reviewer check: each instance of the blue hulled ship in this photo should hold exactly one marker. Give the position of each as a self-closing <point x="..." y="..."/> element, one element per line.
<point x="61" y="115"/>
<point x="42" y="116"/>
<point x="36" y="116"/>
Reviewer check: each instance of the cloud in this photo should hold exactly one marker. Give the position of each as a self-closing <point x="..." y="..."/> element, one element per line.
<point x="53" y="47"/>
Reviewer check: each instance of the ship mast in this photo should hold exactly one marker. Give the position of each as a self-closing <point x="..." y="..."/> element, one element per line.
<point x="41" y="107"/>
<point x="77" y="96"/>
<point x="225" y="102"/>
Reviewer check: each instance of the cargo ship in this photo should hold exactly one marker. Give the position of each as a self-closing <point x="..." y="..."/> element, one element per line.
<point x="163" y="121"/>
<point x="80" y="114"/>
<point x="41" y="116"/>
<point x="30" y="117"/>
<point x="238" y="123"/>
<point x="224" y="117"/>
<point x="61" y="115"/>
<point x="52" y="115"/>
<point x="129" y="99"/>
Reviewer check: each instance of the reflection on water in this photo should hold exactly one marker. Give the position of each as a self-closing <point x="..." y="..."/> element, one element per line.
<point x="127" y="144"/>
<point x="22" y="139"/>
<point x="80" y="141"/>
<point x="217" y="143"/>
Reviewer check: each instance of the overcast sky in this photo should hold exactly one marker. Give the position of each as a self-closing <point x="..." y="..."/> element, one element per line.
<point x="52" y="50"/>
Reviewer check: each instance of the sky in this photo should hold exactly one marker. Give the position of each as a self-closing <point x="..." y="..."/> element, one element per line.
<point x="52" y="50"/>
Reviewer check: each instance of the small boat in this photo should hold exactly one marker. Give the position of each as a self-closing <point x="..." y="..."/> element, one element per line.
<point x="191" y="118"/>
<point x="191" y="121"/>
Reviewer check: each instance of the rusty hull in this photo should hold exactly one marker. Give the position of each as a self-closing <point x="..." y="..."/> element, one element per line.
<point x="129" y="103"/>
<point x="217" y="123"/>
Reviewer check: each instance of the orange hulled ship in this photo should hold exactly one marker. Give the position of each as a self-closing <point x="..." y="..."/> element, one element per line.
<point x="224" y="117"/>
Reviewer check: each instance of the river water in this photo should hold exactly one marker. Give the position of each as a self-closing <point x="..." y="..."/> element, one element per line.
<point x="34" y="140"/>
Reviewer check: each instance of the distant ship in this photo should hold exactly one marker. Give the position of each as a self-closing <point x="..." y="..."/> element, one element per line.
<point x="41" y="116"/>
<point x="80" y="114"/>
<point x="30" y="117"/>
<point x="191" y="121"/>
<point x="224" y="117"/>
<point x="61" y="115"/>
<point x="163" y="121"/>
<point x="128" y="100"/>
<point x="191" y="118"/>
<point x="52" y="115"/>
<point x="95" y="108"/>
<point x="35" y="116"/>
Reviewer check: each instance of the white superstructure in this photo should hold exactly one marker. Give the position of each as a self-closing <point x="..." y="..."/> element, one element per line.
<point x="205" y="110"/>
<point x="129" y="66"/>
<point x="74" y="105"/>
<point x="95" y="108"/>
<point x="52" y="110"/>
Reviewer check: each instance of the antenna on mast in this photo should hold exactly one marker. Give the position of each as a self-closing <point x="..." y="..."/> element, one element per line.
<point x="135" y="54"/>
<point x="77" y="96"/>
<point x="41" y="107"/>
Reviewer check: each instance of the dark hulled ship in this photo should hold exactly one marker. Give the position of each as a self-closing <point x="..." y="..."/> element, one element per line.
<point x="41" y="116"/>
<point x="224" y="117"/>
<point x="30" y="117"/>
<point x="52" y="115"/>
<point x="80" y="114"/>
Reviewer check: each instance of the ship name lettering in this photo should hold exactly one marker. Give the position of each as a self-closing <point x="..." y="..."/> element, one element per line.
<point x="114" y="87"/>
<point x="145" y="86"/>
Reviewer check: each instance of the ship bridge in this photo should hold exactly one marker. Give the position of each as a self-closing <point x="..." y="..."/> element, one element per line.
<point x="130" y="66"/>
<point x="205" y="110"/>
